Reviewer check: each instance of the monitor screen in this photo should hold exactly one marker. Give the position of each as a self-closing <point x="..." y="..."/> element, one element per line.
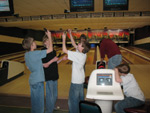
<point x="115" y="5"/>
<point x="6" y="7"/>
<point x="104" y="79"/>
<point x="81" y="5"/>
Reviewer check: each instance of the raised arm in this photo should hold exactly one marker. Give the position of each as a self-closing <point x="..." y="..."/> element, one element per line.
<point x="50" y="48"/>
<point x="117" y="76"/>
<point x="64" y="43"/>
<point x="71" y="38"/>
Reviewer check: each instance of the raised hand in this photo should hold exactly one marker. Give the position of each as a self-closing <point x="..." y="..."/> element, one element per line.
<point x="70" y="31"/>
<point x="48" y="33"/>
<point x="64" y="36"/>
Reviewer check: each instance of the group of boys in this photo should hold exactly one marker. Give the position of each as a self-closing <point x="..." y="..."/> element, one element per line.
<point x="43" y="67"/>
<point x="39" y="62"/>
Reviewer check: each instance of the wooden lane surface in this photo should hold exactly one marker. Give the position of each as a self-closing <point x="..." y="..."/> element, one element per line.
<point x="138" y="56"/>
<point x="18" y="56"/>
<point x="133" y="58"/>
<point x="124" y="60"/>
<point x="141" y="73"/>
<point x="89" y="60"/>
<point x="20" y="86"/>
<point x="13" y="56"/>
<point x="140" y="51"/>
<point x="91" y="56"/>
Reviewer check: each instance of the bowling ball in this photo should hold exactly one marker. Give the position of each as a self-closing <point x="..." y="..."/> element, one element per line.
<point x="101" y="66"/>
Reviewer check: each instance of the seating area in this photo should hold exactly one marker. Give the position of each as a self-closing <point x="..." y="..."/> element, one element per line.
<point x="89" y="107"/>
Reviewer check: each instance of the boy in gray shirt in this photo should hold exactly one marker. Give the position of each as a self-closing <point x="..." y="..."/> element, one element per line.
<point x="133" y="94"/>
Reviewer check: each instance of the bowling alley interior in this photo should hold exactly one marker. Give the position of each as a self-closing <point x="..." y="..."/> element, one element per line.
<point x="125" y="22"/>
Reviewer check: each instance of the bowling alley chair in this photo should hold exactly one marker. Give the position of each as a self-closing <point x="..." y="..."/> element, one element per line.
<point x="89" y="107"/>
<point x="141" y="109"/>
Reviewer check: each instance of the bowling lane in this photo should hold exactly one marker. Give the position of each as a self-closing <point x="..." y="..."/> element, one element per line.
<point x="139" y="51"/>
<point x="91" y="56"/>
<point x="19" y="56"/>
<point x="20" y="85"/>
<point x="12" y="56"/>
<point x="132" y="58"/>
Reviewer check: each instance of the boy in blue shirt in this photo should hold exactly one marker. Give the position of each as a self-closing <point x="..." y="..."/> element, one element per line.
<point x="33" y="59"/>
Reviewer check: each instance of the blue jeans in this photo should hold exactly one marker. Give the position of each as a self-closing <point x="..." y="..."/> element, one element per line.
<point x="76" y="94"/>
<point x="128" y="102"/>
<point x="37" y="97"/>
<point x="114" y="61"/>
<point x="51" y="95"/>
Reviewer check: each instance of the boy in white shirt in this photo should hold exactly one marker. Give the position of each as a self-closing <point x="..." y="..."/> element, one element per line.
<point x="78" y="58"/>
<point x="133" y="94"/>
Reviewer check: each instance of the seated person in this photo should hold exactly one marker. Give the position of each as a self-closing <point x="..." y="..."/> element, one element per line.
<point x="133" y="94"/>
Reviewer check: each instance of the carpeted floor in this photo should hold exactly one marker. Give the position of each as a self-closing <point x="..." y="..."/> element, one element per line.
<point x="21" y="104"/>
<point x="24" y="101"/>
<point x="7" y="109"/>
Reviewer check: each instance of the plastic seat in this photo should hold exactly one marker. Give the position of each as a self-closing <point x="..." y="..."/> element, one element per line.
<point x="89" y="107"/>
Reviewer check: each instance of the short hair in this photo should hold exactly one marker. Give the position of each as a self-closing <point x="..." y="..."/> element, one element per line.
<point x="83" y="36"/>
<point x="45" y="38"/>
<point x="86" y="46"/>
<point x="27" y="42"/>
<point x="123" y="68"/>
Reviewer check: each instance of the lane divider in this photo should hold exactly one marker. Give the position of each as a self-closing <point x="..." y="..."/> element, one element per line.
<point x="144" y="57"/>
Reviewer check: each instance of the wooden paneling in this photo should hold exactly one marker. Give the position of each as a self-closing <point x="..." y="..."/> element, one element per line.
<point x="82" y="23"/>
<point x="34" y="8"/>
<point x="9" y="39"/>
